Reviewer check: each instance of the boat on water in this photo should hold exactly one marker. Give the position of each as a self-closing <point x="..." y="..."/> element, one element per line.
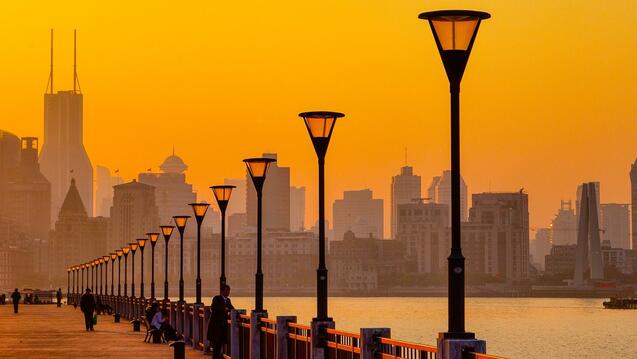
<point x="621" y="303"/>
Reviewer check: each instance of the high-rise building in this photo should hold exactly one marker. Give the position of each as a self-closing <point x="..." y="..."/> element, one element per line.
<point x="358" y="212"/>
<point x="104" y="183"/>
<point x="424" y="228"/>
<point x="237" y="202"/>
<point x="63" y="155"/>
<point x="541" y="245"/>
<point x="276" y="198"/>
<point x="9" y="161"/>
<point x="76" y="237"/>
<point x="28" y="194"/>
<point x="564" y="225"/>
<point x="134" y="213"/>
<point x="633" y="205"/>
<point x="297" y="208"/>
<point x="496" y="238"/>
<point x="588" y="258"/>
<point x="578" y="203"/>
<point x="615" y="225"/>
<point x="172" y="193"/>
<point x="440" y="192"/>
<point x="405" y="188"/>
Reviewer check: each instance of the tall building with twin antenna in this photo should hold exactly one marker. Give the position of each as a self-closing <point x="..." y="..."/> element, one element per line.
<point x="63" y="155"/>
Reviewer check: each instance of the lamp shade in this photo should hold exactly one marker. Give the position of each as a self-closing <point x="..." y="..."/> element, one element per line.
<point x="454" y="29"/>
<point x="68" y="269"/>
<point x="153" y="236"/>
<point x="126" y="249"/>
<point x="320" y="123"/>
<point x="258" y="167"/>
<point x="167" y="231"/>
<point x="101" y="260"/>
<point x="113" y="257"/>
<point x="199" y="209"/>
<point x="134" y="245"/>
<point x="119" y="252"/>
<point x="223" y="192"/>
<point x="106" y="258"/>
<point x="180" y="222"/>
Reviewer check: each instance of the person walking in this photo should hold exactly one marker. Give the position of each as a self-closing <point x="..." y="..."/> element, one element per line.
<point x="58" y="296"/>
<point x="218" y="324"/>
<point x="15" y="297"/>
<point x="87" y="305"/>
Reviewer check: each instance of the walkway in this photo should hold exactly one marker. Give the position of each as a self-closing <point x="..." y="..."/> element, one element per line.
<point x="45" y="331"/>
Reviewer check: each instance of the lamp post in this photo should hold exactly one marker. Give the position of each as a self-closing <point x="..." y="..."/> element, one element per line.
<point x="222" y="195"/>
<point x="142" y="243"/>
<point x="119" y="253"/>
<point x="68" y="283"/>
<point x="320" y="125"/>
<point x="258" y="168"/>
<point x="153" y="240"/>
<point x="113" y="258"/>
<point x="133" y="248"/>
<point x="126" y="250"/>
<point x="199" y="210"/>
<point x="100" y="264"/>
<point x="167" y="231"/>
<point x="106" y="259"/>
<point x="93" y="277"/>
<point x="82" y="279"/>
<point x="180" y="222"/>
<point x="454" y="32"/>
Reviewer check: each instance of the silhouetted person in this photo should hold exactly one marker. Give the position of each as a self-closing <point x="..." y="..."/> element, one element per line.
<point x="3" y="299"/>
<point x="87" y="305"/>
<point x="151" y="310"/>
<point x="15" y="297"/>
<point x="218" y="325"/>
<point x="58" y="296"/>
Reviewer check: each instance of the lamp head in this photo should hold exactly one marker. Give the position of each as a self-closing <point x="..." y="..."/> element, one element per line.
<point x="167" y="231"/>
<point x="258" y="168"/>
<point x="222" y="195"/>
<point x="200" y="209"/>
<point x="153" y="237"/>
<point x="133" y="246"/>
<point x="320" y="125"/>
<point x="454" y="32"/>
<point x="113" y="257"/>
<point x="180" y="222"/>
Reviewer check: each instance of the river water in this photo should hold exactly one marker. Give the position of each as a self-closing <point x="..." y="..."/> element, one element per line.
<point x="512" y="327"/>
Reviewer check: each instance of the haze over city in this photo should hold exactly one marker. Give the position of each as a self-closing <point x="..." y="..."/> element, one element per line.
<point x="476" y="179"/>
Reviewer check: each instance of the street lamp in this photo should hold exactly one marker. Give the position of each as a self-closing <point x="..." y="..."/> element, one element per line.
<point x="100" y="263"/>
<point x="180" y="222"/>
<point x="258" y="168"/>
<point x="93" y="277"/>
<point x="68" y="283"/>
<point x="82" y="279"/>
<point x="119" y="253"/>
<point x="142" y="243"/>
<point x="113" y="258"/>
<point x="320" y="125"/>
<point x="106" y="259"/>
<point x="126" y="250"/>
<point x="133" y="247"/>
<point x="454" y="32"/>
<point x="222" y="195"/>
<point x="153" y="240"/>
<point x="200" y="210"/>
<point x="167" y="231"/>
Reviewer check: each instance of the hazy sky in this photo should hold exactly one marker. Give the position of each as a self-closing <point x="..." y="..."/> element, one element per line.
<point x="548" y="99"/>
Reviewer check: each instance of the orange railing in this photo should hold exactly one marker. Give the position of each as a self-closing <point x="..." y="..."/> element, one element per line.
<point x="343" y="344"/>
<point x="299" y="341"/>
<point x="398" y="349"/>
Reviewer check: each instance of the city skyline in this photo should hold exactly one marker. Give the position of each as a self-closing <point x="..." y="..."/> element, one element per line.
<point x="539" y="151"/>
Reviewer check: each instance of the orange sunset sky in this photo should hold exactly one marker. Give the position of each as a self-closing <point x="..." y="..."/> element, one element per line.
<point x="548" y="98"/>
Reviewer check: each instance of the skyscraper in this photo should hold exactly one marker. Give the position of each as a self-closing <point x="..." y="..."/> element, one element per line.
<point x="172" y="192"/>
<point x="405" y="188"/>
<point x="633" y="208"/>
<point x="134" y="213"/>
<point x="615" y="225"/>
<point x="297" y="209"/>
<point x="9" y="160"/>
<point x="358" y="212"/>
<point x="541" y="246"/>
<point x="276" y="198"/>
<point x="564" y="225"/>
<point x="439" y="191"/>
<point x="63" y="155"/>
<point x="104" y="183"/>
<point x="588" y="251"/>
<point x="28" y="194"/>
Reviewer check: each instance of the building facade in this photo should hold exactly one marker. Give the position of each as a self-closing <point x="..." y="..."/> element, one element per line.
<point x="104" y="183"/>
<point x="276" y="198"/>
<point x="564" y="225"/>
<point x="358" y="212"/>
<point x="633" y="204"/>
<point x="297" y="209"/>
<point x="615" y="224"/>
<point x="133" y="214"/>
<point x="439" y="191"/>
<point x="405" y="188"/>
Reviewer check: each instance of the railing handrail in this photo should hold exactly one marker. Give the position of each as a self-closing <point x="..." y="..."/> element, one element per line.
<point x="475" y="355"/>
<point x="298" y="326"/>
<point x="404" y="344"/>
<point x="267" y="320"/>
<point x="343" y="333"/>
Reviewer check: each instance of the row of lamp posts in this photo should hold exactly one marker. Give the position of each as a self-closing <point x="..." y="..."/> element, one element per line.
<point x="454" y="34"/>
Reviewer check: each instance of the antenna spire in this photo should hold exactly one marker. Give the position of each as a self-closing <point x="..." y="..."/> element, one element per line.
<point x="50" y="87"/>
<point x="76" y="79"/>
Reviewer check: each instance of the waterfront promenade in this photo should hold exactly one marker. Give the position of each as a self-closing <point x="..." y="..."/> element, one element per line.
<point x="46" y="331"/>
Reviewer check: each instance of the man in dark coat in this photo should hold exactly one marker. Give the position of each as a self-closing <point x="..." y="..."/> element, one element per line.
<point x="87" y="305"/>
<point x="58" y="296"/>
<point x="15" y="297"/>
<point x="218" y="324"/>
